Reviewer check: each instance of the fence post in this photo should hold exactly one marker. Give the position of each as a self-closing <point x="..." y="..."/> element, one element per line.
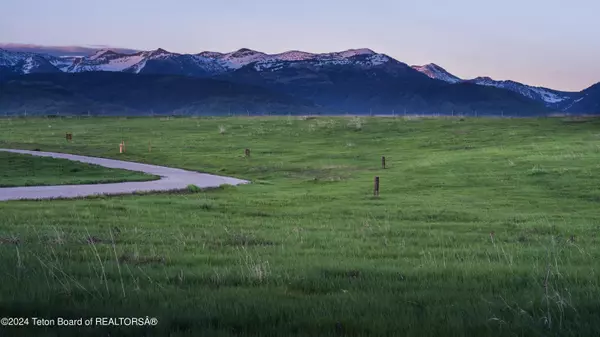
<point x="383" y="162"/>
<point x="376" y="187"/>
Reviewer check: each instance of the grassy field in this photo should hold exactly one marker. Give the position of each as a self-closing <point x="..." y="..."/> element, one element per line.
<point x="26" y="170"/>
<point x="483" y="227"/>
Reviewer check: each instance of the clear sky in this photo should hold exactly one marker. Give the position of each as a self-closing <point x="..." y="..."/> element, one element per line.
<point x="554" y="43"/>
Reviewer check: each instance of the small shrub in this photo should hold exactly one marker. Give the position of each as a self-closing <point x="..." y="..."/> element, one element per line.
<point x="193" y="189"/>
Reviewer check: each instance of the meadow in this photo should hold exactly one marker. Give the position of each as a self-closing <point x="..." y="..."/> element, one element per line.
<point x="25" y="170"/>
<point x="483" y="227"/>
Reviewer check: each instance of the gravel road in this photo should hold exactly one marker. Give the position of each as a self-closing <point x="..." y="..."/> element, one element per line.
<point x="171" y="179"/>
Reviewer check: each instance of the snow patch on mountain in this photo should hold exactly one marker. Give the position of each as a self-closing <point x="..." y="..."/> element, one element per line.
<point x="376" y="59"/>
<point x="29" y="65"/>
<point x="106" y="62"/>
<point x="136" y="68"/>
<point x="158" y="54"/>
<point x="578" y="100"/>
<point x="436" y="72"/>
<point x="360" y="59"/>
<point x="484" y="80"/>
<point x="102" y="53"/>
<point x="9" y="59"/>
<point x="208" y="64"/>
<point x="356" y="52"/>
<point x="25" y="62"/>
<point x="210" y="54"/>
<point x="120" y="64"/>
<point x="548" y="96"/>
<point x="64" y="62"/>
<point x="242" y="57"/>
<point x="573" y="103"/>
<point x="292" y="55"/>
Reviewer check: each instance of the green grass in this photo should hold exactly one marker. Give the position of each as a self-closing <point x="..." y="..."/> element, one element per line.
<point x="483" y="227"/>
<point x="27" y="170"/>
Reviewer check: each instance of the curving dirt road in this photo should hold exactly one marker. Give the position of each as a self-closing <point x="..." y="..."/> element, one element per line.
<point x="171" y="179"/>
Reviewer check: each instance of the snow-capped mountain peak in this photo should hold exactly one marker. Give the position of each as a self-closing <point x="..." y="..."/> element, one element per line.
<point x="244" y="56"/>
<point x="8" y="58"/>
<point x="362" y="58"/>
<point x="485" y="80"/>
<point x="241" y="57"/>
<point x="159" y="51"/>
<point x="242" y="53"/>
<point x="210" y="54"/>
<point x="157" y="54"/>
<point x="356" y="52"/>
<point x="293" y="55"/>
<point x="25" y="62"/>
<point x="548" y="96"/>
<point x="436" y="72"/>
<point x="102" y="53"/>
<point x="545" y="95"/>
<point x="102" y="60"/>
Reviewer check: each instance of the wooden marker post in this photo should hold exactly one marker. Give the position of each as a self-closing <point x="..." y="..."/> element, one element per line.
<point x="247" y="153"/>
<point x="383" y="162"/>
<point x="121" y="147"/>
<point x="376" y="187"/>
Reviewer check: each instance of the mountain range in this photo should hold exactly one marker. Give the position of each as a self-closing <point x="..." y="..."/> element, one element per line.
<point x="550" y="97"/>
<point x="354" y="81"/>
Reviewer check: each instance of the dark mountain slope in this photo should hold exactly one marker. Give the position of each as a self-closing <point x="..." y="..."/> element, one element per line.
<point x="118" y="93"/>
<point x="469" y="98"/>
<point x="587" y="102"/>
<point x="391" y="87"/>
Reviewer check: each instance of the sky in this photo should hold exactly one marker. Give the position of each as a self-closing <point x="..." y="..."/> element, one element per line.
<point x="551" y="43"/>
